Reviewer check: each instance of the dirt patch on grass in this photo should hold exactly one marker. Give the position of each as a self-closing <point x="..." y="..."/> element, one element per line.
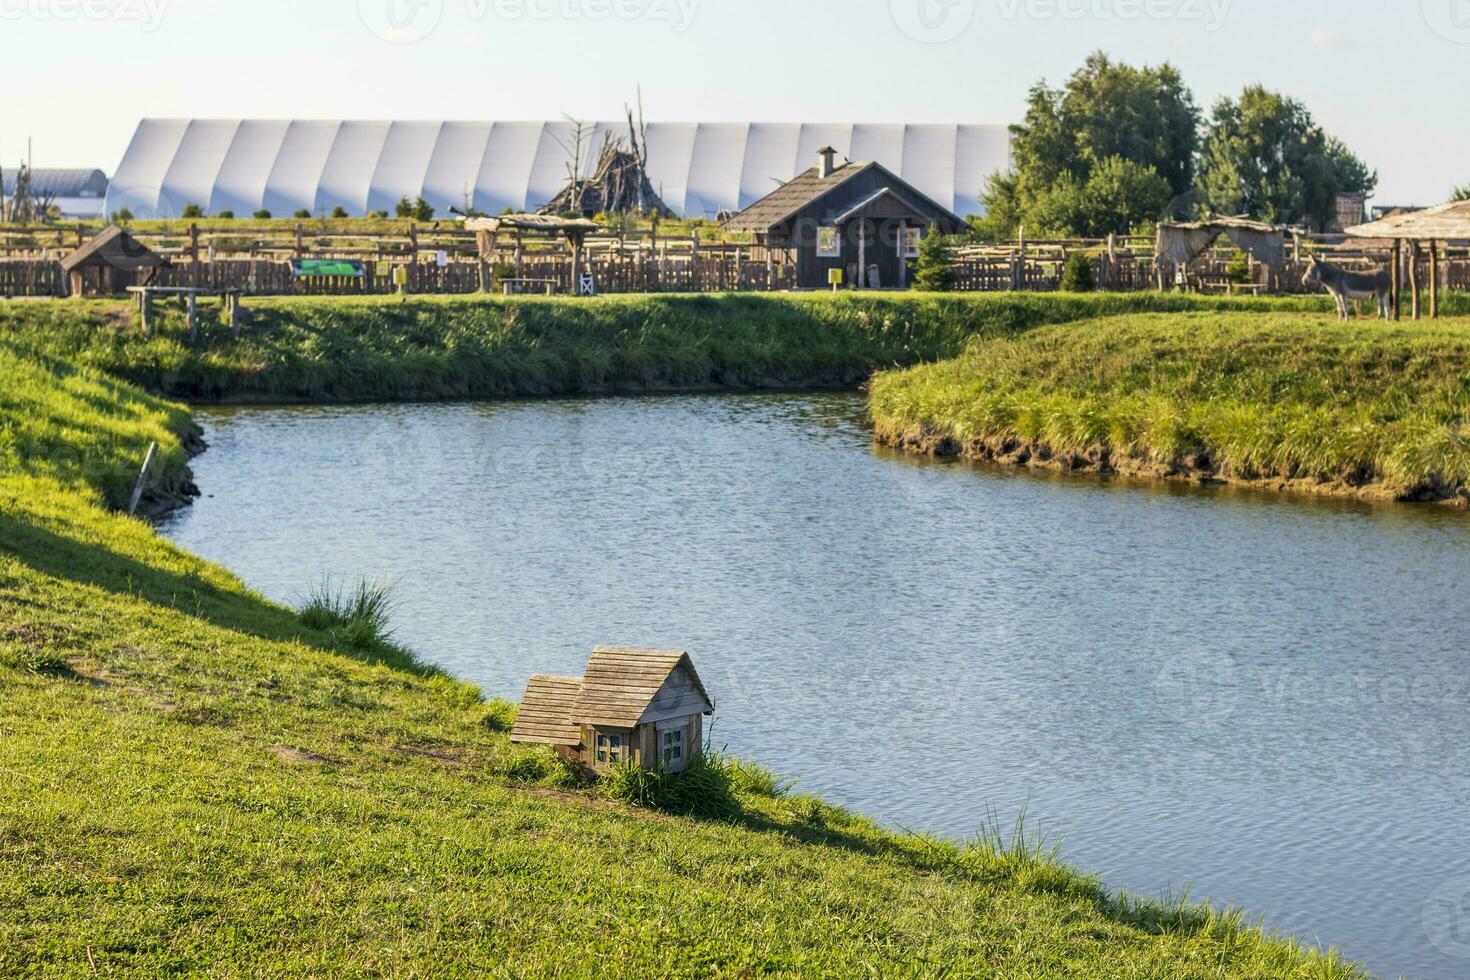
<point x="301" y="757"/>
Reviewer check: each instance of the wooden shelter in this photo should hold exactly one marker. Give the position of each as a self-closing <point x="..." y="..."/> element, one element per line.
<point x="118" y="261"/>
<point x="639" y="707"/>
<point x="1409" y="233"/>
<point x="576" y="231"/>
<point x="858" y="220"/>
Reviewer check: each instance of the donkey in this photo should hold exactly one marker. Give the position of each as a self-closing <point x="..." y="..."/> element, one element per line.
<point x="1345" y="285"/>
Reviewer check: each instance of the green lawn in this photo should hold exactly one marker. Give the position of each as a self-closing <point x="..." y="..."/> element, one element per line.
<point x="193" y="781"/>
<point x="1279" y="397"/>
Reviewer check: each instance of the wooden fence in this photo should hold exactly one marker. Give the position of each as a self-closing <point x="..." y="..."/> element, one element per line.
<point x="447" y="260"/>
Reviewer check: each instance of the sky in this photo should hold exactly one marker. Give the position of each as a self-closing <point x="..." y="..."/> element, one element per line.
<point x="1387" y="76"/>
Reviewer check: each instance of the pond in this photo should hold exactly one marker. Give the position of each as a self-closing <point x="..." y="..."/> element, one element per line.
<point x="1261" y="698"/>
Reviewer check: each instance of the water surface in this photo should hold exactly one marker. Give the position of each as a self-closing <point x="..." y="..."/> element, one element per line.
<point x="1262" y="698"/>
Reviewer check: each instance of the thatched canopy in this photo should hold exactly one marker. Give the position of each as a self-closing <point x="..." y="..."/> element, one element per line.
<point x="1448" y="222"/>
<point x="546" y="223"/>
<point x="1183" y="242"/>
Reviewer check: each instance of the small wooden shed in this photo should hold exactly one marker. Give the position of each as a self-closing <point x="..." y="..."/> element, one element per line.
<point x="857" y="218"/>
<point x="645" y="707"/>
<point x="115" y="261"/>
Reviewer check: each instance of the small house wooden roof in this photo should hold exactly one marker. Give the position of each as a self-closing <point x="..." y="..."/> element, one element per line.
<point x="809" y="186"/>
<point x="547" y="711"/>
<point x="1448" y="222"/>
<point x="115" y="248"/>
<point x="887" y="195"/>
<point x="622" y="683"/>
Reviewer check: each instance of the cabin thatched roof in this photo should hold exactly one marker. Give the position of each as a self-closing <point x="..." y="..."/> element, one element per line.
<point x="114" y="248"/>
<point x="547" y="711"/>
<point x="1448" y="222"/>
<point x="1185" y="241"/>
<point x="621" y="683"/>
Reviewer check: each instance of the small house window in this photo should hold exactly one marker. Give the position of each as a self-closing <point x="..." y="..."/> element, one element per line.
<point x="673" y="747"/>
<point x="911" y="238"/>
<point x="829" y="242"/>
<point x="610" y="749"/>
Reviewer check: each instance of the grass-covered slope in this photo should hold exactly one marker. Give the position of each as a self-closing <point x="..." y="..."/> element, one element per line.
<point x="1284" y="399"/>
<point x="194" y="781"/>
<point x="373" y="348"/>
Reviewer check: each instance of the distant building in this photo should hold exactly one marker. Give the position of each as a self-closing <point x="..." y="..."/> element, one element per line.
<point x="857" y="220"/>
<point x="1352" y="209"/>
<point x="78" y="193"/>
<point x="632" y="707"/>
<point x="698" y="169"/>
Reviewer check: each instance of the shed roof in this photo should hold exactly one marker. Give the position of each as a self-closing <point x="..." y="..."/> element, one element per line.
<point x="113" y="247"/>
<point x="547" y="710"/>
<point x="1447" y="221"/>
<point x="810" y="186"/>
<point x="621" y="683"/>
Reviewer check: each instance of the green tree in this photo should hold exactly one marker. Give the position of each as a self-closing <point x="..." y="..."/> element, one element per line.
<point x="339" y="212"/>
<point x="192" y="211"/>
<point x="1078" y="276"/>
<point x="261" y="215"/>
<point x="423" y="210"/>
<point x="1265" y="156"/>
<point x="934" y="268"/>
<point x="1139" y="126"/>
<point x="404" y="207"/>
<point x="122" y="216"/>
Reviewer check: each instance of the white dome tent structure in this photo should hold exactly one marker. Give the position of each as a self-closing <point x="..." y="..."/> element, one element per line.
<point x="698" y="169"/>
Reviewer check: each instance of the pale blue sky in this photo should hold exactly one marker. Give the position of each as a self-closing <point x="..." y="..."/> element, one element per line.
<point x="78" y="74"/>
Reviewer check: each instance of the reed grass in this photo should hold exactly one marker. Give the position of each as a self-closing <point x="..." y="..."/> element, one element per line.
<point x="1281" y="396"/>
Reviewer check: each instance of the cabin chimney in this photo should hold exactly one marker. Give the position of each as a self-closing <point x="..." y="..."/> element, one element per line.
<point x="828" y="157"/>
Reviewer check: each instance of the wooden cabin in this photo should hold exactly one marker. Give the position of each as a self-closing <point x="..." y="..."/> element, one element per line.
<point x="110" y="263"/>
<point x="857" y="219"/>
<point x="645" y="707"/>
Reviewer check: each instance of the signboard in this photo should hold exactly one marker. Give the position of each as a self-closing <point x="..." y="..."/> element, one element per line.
<point x="834" y="277"/>
<point x="588" y="286"/>
<point x="320" y="268"/>
<point x="400" y="275"/>
<point x="442" y="259"/>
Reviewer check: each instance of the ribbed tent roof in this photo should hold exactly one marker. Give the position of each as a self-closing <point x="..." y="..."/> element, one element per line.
<point x="1448" y="222"/>
<point x="61" y="183"/>
<point x="698" y="169"/>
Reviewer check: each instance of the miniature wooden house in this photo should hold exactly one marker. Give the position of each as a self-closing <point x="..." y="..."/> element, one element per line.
<point x="110" y="263"/>
<point x="644" y="707"/>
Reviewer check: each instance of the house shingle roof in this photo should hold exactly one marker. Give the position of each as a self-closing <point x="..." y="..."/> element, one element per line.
<point x="547" y="710"/>
<point x="792" y="196"/>
<point x="621" y="683"/>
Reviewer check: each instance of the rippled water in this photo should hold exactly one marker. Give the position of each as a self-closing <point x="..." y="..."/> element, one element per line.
<point x="1264" y="699"/>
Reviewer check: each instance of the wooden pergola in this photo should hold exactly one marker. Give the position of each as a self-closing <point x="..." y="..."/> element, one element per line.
<point x="1412" y="232"/>
<point x="576" y="231"/>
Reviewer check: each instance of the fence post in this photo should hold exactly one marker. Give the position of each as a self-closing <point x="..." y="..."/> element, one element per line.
<point x="142" y="480"/>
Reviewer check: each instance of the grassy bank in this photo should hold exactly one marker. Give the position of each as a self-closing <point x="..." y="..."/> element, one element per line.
<point x="196" y="781"/>
<point x="368" y="349"/>
<point x="1285" y="400"/>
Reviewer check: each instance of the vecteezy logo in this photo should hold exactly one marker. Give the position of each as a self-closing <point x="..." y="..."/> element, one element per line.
<point x="932" y="21"/>
<point x="1446" y="918"/>
<point x="1450" y="19"/>
<point x="401" y="21"/>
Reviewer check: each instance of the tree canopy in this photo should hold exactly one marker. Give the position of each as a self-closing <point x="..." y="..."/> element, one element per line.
<point x="1118" y="148"/>
<point x="1266" y="156"/>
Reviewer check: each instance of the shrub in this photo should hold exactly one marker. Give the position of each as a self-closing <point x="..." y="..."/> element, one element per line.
<point x="122" y="216"/>
<point x="704" y="789"/>
<point x="378" y="215"/>
<point x="192" y="211"/>
<point x="423" y="210"/>
<point x="934" y="269"/>
<point x="404" y="207"/>
<point x="358" y="617"/>
<point x="301" y="213"/>
<point x="339" y="212"/>
<point x="1078" y="275"/>
<point x="1238" y="270"/>
<point x="226" y="215"/>
<point x="500" y="715"/>
<point x="262" y="215"/>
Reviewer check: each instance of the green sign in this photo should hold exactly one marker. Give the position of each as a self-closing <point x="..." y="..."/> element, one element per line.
<point x="314" y="268"/>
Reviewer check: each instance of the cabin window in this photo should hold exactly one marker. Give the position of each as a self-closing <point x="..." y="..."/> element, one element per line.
<point x="673" y="747"/>
<point x="911" y="238"/>
<point x="829" y="243"/>
<point x="610" y="749"/>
